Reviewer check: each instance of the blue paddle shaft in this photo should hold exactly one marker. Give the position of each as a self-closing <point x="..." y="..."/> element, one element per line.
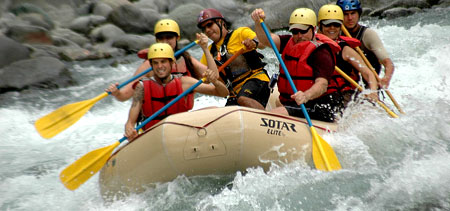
<point x="165" y="107"/>
<point x="288" y="76"/>
<point x="150" y="69"/>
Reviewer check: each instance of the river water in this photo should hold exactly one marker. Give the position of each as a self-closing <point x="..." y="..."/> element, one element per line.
<point x="388" y="164"/>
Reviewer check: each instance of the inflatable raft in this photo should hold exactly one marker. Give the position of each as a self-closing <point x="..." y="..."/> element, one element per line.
<point x="208" y="141"/>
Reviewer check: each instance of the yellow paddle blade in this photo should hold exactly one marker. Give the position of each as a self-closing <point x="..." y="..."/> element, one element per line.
<point x="63" y="117"/>
<point x="323" y="155"/>
<point x="84" y="168"/>
<point x="353" y="82"/>
<point x="387" y="109"/>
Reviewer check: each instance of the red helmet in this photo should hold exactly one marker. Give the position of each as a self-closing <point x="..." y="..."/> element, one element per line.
<point x="208" y="14"/>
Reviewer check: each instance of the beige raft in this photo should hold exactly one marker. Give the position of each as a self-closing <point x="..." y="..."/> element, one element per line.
<point x="209" y="141"/>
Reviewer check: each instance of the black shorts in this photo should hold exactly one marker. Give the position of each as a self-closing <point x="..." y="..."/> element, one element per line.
<point x="254" y="89"/>
<point x="326" y="108"/>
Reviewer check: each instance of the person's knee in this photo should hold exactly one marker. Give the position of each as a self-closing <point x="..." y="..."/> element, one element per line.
<point x="249" y="102"/>
<point x="280" y="110"/>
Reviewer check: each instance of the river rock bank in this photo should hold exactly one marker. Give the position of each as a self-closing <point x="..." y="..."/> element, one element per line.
<point x="39" y="37"/>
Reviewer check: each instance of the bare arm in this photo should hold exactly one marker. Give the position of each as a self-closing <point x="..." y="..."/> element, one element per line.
<point x="250" y="44"/>
<point x="352" y="57"/>
<point x="257" y="15"/>
<point x="319" y="87"/>
<point x="388" y="72"/>
<point x="216" y="87"/>
<point x="138" y="96"/>
<point x="127" y="91"/>
<point x="373" y="42"/>
<point x="203" y="42"/>
<point x="199" y="68"/>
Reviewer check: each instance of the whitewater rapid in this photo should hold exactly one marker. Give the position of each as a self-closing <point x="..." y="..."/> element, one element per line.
<point x="388" y="164"/>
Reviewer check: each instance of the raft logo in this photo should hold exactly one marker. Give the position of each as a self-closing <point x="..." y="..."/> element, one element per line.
<point x="277" y="127"/>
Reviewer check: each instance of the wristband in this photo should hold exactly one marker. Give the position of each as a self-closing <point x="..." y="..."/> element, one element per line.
<point x="256" y="42"/>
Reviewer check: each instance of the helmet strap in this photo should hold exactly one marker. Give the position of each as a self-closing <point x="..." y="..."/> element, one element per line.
<point x="219" y="24"/>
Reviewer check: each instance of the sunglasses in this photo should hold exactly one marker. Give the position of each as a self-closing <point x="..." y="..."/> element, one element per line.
<point x="207" y="25"/>
<point x="165" y="35"/>
<point x="337" y="25"/>
<point x="296" y="31"/>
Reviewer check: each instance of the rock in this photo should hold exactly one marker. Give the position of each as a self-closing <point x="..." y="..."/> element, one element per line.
<point x="366" y="11"/>
<point x="9" y="19"/>
<point x="255" y="1"/>
<point x="4" y="5"/>
<point x="444" y="3"/>
<point x="277" y="15"/>
<point x="85" y="24"/>
<point x="105" y="50"/>
<point x="35" y="19"/>
<point x="76" y="30"/>
<point x="102" y="9"/>
<point x="29" y="34"/>
<point x="397" y="12"/>
<point x="84" y="9"/>
<point x="105" y="33"/>
<point x="74" y="53"/>
<point x="174" y="4"/>
<point x="7" y="46"/>
<point x="132" y="20"/>
<point x="133" y="43"/>
<point x="229" y="9"/>
<point x="188" y="26"/>
<point x="400" y="3"/>
<point x="38" y="50"/>
<point x="163" y="5"/>
<point x="44" y="72"/>
<point x="151" y="16"/>
<point x="114" y="4"/>
<point x="34" y="14"/>
<point x="67" y="34"/>
<point x="147" y="4"/>
<point x="60" y="12"/>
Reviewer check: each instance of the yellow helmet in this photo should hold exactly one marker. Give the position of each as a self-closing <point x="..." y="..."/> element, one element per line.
<point x="160" y="51"/>
<point x="303" y="16"/>
<point x="330" y="11"/>
<point x="167" y="25"/>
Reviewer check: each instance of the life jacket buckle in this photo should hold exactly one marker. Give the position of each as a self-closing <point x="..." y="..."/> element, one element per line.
<point x="273" y="81"/>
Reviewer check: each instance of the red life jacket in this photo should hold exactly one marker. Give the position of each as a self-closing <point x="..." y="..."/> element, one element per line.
<point x="338" y="82"/>
<point x="295" y="56"/>
<point x="179" y="68"/>
<point x="352" y="42"/>
<point x="143" y="54"/>
<point x="157" y="96"/>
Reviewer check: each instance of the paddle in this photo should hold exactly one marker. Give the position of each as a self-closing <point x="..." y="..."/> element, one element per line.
<point x="353" y="82"/>
<point x="65" y="116"/>
<point x="323" y="155"/>
<point x="373" y="70"/>
<point x="84" y="168"/>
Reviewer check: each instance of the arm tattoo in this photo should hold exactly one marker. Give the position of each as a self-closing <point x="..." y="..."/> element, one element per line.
<point x="138" y="95"/>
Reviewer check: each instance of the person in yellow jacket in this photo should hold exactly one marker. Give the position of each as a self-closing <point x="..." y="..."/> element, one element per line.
<point x="245" y="77"/>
